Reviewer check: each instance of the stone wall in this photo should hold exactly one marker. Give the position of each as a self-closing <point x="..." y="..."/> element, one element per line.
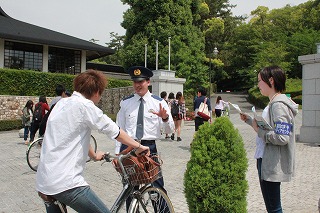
<point x="11" y="106"/>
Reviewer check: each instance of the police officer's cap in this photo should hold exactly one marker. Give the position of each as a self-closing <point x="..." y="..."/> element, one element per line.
<point x="139" y="73"/>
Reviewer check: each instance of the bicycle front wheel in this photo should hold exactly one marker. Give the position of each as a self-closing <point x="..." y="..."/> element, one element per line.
<point x="152" y="199"/>
<point x="93" y="143"/>
<point x="33" y="154"/>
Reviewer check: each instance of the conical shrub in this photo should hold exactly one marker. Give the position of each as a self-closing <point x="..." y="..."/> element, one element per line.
<point x="215" y="179"/>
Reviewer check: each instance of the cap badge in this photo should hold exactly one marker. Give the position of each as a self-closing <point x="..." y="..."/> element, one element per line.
<point x="137" y="72"/>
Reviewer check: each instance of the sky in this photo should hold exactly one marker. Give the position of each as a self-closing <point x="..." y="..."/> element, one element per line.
<point x="98" y="18"/>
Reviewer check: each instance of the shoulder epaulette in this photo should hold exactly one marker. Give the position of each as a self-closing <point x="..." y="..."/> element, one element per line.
<point x="130" y="96"/>
<point x="156" y="97"/>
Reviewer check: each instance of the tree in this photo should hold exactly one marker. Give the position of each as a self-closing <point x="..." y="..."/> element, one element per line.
<point x="115" y="43"/>
<point x="149" y="21"/>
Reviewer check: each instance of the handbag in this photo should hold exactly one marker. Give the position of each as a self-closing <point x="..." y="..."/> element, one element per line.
<point x="203" y="111"/>
<point x="139" y="169"/>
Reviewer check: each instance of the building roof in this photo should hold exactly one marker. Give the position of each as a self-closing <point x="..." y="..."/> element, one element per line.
<point x="106" y="67"/>
<point x="13" y="29"/>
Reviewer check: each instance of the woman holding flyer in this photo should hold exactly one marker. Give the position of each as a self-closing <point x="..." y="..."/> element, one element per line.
<point x="275" y="150"/>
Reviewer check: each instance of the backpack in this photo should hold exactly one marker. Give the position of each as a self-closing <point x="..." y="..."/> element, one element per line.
<point x="175" y="109"/>
<point x="37" y="114"/>
<point x="43" y="124"/>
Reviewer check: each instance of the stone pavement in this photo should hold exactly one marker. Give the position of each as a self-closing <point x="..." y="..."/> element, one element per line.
<point x="17" y="180"/>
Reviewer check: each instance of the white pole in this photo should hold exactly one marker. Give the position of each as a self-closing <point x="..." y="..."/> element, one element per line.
<point x="156" y="54"/>
<point x="145" y="54"/>
<point x="169" y="54"/>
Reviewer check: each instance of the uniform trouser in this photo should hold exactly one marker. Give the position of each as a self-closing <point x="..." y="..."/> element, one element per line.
<point x="270" y="192"/>
<point x="158" y="183"/>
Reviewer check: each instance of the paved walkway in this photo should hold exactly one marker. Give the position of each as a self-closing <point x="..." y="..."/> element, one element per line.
<point x="17" y="180"/>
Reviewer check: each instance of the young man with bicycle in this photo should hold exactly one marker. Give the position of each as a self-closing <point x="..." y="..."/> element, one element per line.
<point x="66" y="146"/>
<point x="142" y="115"/>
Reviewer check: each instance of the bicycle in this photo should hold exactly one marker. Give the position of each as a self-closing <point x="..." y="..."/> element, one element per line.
<point x="226" y="111"/>
<point x="34" y="150"/>
<point x="146" y="198"/>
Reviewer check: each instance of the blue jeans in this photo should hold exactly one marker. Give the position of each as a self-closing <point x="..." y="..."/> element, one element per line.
<point x="81" y="199"/>
<point x="270" y="192"/>
<point x="26" y="132"/>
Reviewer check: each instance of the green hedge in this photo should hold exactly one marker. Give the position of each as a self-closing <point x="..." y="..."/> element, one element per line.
<point x="215" y="179"/>
<point x="6" y="125"/>
<point x="35" y="83"/>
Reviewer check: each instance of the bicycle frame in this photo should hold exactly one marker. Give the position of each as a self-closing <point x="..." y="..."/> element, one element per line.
<point x="127" y="190"/>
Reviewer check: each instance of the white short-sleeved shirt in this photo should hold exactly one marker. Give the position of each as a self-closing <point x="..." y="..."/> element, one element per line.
<point x="66" y="143"/>
<point x="259" y="142"/>
<point x="128" y="115"/>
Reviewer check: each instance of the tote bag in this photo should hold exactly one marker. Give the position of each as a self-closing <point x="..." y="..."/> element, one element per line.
<point x="203" y="111"/>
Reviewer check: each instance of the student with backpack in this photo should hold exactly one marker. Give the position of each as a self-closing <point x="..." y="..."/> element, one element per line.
<point x="178" y="112"/>
<point x="39" y="111"/>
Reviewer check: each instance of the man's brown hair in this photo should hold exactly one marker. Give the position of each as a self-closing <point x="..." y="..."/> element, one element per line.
<point x="90" y="82"/>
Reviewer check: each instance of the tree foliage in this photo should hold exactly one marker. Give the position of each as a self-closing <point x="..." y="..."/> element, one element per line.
<point x="196" y="27"/>
<point x="147" y="22"/>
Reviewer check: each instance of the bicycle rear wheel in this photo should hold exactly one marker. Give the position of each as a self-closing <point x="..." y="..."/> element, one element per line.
<point x="33" y="154"/>
<point x="152" y="199"/>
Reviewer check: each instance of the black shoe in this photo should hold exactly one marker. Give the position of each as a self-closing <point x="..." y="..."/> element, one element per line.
<point x="179" y="139"/>
<point x="172" y="136"/>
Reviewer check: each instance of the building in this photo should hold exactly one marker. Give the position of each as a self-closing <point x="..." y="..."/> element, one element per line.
<point x="26" y="46"/>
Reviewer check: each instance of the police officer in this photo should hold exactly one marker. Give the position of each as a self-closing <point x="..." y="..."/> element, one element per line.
<point x="155" y="113"/>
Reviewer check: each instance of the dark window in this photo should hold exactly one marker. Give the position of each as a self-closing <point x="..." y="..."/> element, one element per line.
<point x="22" y="56"/>
<point x="64" y="60"/>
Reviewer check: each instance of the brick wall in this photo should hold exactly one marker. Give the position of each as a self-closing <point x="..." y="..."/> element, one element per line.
<point x="11" y="106"/>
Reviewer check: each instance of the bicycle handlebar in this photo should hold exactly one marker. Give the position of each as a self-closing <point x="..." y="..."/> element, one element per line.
<point x="109" y="157"/>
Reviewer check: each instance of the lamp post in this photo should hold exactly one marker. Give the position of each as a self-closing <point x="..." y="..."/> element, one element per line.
<point x="215" y="53"/>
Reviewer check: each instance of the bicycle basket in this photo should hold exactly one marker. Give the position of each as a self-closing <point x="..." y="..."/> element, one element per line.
<point x="140" y="170"/>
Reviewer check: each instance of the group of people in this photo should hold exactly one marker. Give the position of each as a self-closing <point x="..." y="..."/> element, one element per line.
<point x="140" y="120"/>
<point x="34" y="117"/>
<point x="177" y="107"/>
<point x="66" y="143"/>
